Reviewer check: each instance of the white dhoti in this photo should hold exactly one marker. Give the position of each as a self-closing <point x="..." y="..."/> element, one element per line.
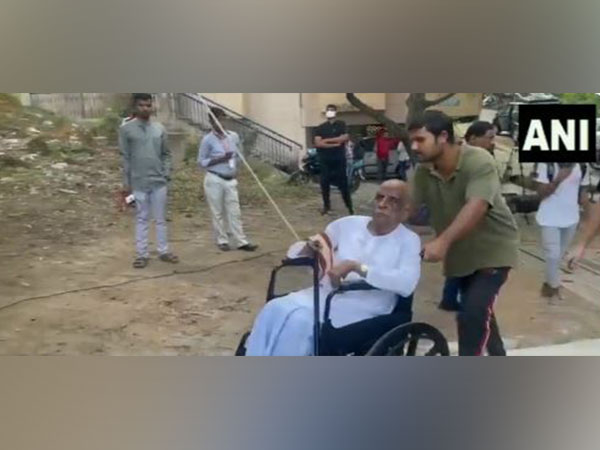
<point x="285" y="325"/>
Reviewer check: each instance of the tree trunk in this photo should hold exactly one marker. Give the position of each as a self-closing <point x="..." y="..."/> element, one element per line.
<point x="395" y="129"/>
<point x="417" y="104"/>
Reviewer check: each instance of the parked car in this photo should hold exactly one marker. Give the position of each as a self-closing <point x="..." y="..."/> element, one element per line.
<point x="370" y="159"/>
<point x="507" y="119"/>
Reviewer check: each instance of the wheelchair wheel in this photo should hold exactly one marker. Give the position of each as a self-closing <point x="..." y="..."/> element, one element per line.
<point x="241" y="349"/>
<point x="411" y="339"/>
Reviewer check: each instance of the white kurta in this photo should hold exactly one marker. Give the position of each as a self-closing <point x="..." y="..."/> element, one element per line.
<point x="285" y="325"/>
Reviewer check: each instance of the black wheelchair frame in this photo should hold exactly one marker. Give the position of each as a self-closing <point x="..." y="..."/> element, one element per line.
<point x="399" y="328"/>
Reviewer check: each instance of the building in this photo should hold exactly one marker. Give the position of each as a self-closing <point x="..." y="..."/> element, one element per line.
<point x="295" y="115"/>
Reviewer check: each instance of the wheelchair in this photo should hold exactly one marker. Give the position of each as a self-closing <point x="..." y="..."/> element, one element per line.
<point x="392" y="334"/>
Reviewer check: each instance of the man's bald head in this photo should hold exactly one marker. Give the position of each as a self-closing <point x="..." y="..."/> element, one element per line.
<point x="397" y="186"/>
<point x="391" y="204"/>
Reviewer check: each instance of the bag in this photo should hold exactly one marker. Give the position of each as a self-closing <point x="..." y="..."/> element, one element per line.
<point x="524" y="204"/>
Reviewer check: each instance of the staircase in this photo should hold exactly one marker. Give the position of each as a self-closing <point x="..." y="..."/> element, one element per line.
<point x="257" y="140"/>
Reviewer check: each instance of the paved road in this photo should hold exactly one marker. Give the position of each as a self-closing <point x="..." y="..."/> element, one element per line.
<point x="590" y="347"/>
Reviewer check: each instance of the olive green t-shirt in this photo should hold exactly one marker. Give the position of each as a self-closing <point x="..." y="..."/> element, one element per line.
<point x="495" y="241"/>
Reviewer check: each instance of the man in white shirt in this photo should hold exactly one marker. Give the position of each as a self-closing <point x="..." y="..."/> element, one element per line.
<point x="378" y="249"/>
<point x="217" y="155"/>
<point x="558" y="216"/>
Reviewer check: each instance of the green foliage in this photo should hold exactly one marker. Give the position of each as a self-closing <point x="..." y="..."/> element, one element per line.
<point x="60" y="122"/>
<point x="11" y="162"/>
<point x="581" y="97"/>
<point x="188" y="193"/>
<point x="108" y="126"/>
<point x="9" y="102"/>
<point x="191" y="153"/>
<point x="39" y="146"/>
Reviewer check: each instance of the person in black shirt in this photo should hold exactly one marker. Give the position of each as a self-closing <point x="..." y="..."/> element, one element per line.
<point x="330" y="140"/>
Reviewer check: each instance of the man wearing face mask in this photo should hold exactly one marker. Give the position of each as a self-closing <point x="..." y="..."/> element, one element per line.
<point x="330" y="139"/>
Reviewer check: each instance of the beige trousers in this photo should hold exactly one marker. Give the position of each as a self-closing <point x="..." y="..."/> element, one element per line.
<point x="223" y="201"/>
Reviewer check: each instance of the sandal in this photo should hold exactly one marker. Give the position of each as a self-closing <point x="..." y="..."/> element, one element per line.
<point x="140" y="262"/>
<point x="169" y="257"/>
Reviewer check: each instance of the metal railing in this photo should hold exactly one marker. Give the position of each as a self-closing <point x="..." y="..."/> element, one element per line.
<point x="258" y="140"/>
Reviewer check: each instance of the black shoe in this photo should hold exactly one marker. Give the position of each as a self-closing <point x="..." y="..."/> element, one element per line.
<point x="248" y="247"/>
<point x="546" y="290"/>
<point x="449" y="306"/>
<point x="325" y="211"/>
<point x="224" y="247"/>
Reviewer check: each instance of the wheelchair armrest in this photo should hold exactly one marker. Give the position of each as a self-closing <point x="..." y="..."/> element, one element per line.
<point x="302" y="261"/>
<point x="305" y="261"/>
<point x="359" y="285"/>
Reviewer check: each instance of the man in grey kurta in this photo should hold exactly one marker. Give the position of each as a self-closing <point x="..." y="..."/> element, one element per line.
<point x="146" y="172"/>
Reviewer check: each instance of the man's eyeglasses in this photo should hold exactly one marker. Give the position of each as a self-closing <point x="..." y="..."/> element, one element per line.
<point x="393" y="200"/>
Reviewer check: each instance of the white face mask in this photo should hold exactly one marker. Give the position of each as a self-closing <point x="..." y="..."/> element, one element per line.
<point x="330" y="114"/>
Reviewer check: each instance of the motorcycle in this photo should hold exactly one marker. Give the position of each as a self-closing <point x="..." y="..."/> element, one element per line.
<point x="356" y="174"/>
<point x="310" y="171"/>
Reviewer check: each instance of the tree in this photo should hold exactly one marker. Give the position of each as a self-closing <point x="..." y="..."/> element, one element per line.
<point x="416" y="103"/>
<point x="580" y="97"/>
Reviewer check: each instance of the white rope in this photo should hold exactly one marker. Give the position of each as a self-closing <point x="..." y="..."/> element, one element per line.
<point x="239" y="153"/>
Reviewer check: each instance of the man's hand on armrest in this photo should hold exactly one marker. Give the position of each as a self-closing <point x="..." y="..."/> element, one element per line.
<point x="341" y="271"/>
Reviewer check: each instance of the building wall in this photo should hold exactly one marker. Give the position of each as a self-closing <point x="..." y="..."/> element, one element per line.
<point x="395" y="106"/>
<point x="463" y="104"/>
<point x="233" y="101"/>
<point x="75" y="105"/>
<point x="313" y="106"/>
<point x="279" y="111"/>
<point x="24" y="98"/>
<point x="295" y="114"/>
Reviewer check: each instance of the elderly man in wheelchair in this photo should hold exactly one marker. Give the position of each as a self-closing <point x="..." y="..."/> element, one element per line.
<point x="366" y="269"/>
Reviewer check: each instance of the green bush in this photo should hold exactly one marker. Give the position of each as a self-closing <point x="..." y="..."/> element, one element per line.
<point x="191" y="153"/>
<point x="38" y="145"/>
<point x="108" y="126"/>
<point x="9" y="102"/>
<point x="581" y="97"/>
<point x="7" y="161"/>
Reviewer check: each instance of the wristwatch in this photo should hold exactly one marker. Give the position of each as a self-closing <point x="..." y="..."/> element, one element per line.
<point x="364" y="270"/>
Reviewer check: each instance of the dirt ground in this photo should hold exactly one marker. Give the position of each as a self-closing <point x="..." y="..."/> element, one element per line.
<point x="67" y="286"/>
